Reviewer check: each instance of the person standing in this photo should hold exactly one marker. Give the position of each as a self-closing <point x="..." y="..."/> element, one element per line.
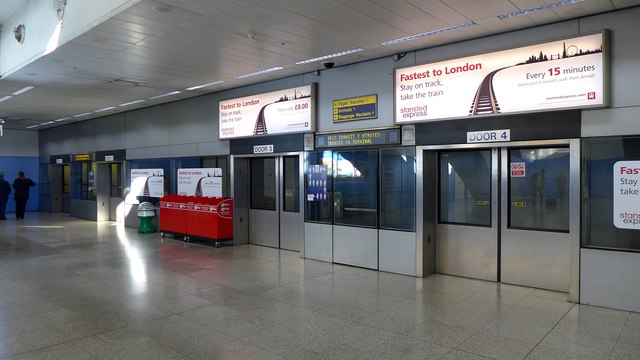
<point x="21" y="186"/>
<point x="5" y="190"/>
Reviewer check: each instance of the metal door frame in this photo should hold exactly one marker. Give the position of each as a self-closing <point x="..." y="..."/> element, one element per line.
<point x="279" y="182"/>
<point x="502" y="224"/>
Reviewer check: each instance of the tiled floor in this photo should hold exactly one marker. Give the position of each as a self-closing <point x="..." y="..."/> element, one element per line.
<point x="74" y="289"/>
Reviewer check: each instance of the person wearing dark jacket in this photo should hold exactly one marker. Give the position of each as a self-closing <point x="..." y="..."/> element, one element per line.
<point x="5" y="190"/>
<point x="21" y="186"/>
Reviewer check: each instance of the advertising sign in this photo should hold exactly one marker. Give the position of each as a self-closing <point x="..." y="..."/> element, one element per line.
<point x="317" y="183"/>
<point x="356" y="108"/>
<point x="278" y="112"/>
<point x="562" y="74"/>
<point x="145" y="182"/>
<point x="200" y="182"/>
<point x="626" y="195"/>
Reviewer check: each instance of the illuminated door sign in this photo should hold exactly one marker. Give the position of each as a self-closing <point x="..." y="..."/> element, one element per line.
<point x="263" y="149"/>
<point x="109" y="158"/>
<point x="59" y="161"/>
<point x="488" y="136"/>
<point x="626" y="195"/>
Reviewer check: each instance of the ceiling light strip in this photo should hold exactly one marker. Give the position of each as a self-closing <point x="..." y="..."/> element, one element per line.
<point x="104" y="109"/>
<point x="47" y="123"/>
<point x="5" y="98"/>
<point x="81" y="115"/>
<point x="330" y="56"/>
<point x="32" y="126"/>
<point x="261" y="72"/>
<point x="62" y="119"/>
<point x="163" y="95"/>
<point x="131" y="102"/>
<point x="22" y="91"/>
<point x="428" y="33"/>
<point x="196" y="87"/>
<point x="539" y="8"/>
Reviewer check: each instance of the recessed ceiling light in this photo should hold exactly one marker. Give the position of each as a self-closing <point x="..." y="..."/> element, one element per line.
<point x="330" y="56"/>
<point x="22" y="91"/>
<point x="428" y="33"/>
<point x="265" y="71"/>
<point x="539" y="8"/>
<point x="204" y="85"/>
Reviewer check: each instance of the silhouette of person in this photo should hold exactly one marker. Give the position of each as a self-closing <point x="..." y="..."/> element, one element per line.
<point x="21" y="186"/>
<point x="537" y="187"/>
<point x="5" y="190"/>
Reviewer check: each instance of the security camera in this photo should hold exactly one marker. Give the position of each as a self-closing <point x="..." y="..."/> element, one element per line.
<point x="328" y="64"/>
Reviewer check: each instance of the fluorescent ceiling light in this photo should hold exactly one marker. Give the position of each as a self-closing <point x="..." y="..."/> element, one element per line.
<point x="265" y="71"/>
<point x="23" y="90"/>
<point x="81" y="115"/>
<point x="428" y="33"/>
<point x="331" y="56"/>
<point x="62" y="119"/>
<point x="47" y="123"/>
<point x="32" y="126"/>
<point x="539" y="8"/>
<point x="104" y="109"/>
<point x="131" y="102"/>
<point x="204" y="85"/>
<point x="5" y="98"/>
<point x="163" y="95"/>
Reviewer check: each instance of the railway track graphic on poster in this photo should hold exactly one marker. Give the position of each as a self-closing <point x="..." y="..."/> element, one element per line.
<point x="485" y="100"/>
<point x="261" y="122"/>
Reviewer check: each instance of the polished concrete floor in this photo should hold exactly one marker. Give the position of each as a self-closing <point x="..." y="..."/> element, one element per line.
<point x="75" y="289"/>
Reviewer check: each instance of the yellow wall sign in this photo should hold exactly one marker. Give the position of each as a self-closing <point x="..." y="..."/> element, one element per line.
<point x="482" y="202"/>
<point x="82" y="157"/>
<point x="519" y="204"/>
<point x="355" y="108"/>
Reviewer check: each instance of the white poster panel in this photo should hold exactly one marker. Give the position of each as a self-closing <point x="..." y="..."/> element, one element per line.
<point x="561" y="74"/>
<point x="626" y="195"/>
<point x="145" y="182"/>
<point x="278" y="112"/>
<point x="200" y="182"/>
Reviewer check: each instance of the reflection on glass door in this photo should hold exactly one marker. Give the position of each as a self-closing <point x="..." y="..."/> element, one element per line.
<point x="291" y="222"/>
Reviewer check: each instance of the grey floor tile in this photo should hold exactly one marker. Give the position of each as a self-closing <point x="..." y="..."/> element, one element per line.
<point x="496" y="347"/>
<point x="625" y="351"/>
<point x="440" y="333"/>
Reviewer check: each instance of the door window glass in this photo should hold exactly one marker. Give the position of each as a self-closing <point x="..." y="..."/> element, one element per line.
<point x="263" y="183"/>
<point x="465" y="187"/>
<point x="291" y="184"/>
<point x="116" y="179"/>
<point x="319" y="187"/>
<point x="539" y="188"/>
<point x="356" y="188"/>
<point x="609" y="215"/>
<point x="398" y="188"/>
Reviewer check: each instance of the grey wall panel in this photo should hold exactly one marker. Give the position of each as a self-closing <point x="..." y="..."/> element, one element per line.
<point x="397" y="251"/>
<point x="212" y="148"/>
<point x="84" y="209"/>
<point x="372" y="77"/>
<point x="158" y="152"/>
<point x="318" y="242"/>
<point x="624" y="53"/>
<point x="184" y="150"/>
<point x="19" y="143"/>
<point x="148" y="127"/>
<point x="355" y="246"/>
<point x="136" y="153"/>
<point x="194" y="120"/>
<point x="610" y="279"/>
<point x="109" y="132"/>
<point x="623" y="121"/>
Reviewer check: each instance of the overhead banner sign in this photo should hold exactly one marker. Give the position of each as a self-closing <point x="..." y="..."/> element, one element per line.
<point x="356" y="108"/>
<point x="200" y="182"/>
<point x="278" y="112"/>
<point x="626" y="195"/>
<point x="359" y="138"/>
<point x="563" y="74"/>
